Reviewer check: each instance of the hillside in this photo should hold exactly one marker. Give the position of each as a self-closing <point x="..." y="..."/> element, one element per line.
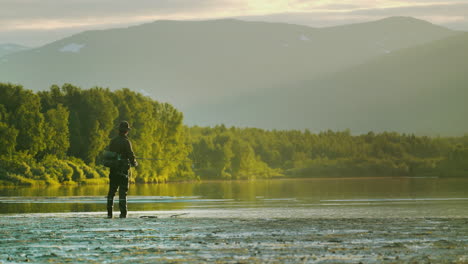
<point x="192" y="63"/>
<point x="416" y="90"/>
<point x="10" y="48"/>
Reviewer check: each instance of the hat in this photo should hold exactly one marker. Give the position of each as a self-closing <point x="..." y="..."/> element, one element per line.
<point x="124" y="126"/>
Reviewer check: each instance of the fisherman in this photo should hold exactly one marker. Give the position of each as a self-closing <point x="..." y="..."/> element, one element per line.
<point x="119" y="173"/>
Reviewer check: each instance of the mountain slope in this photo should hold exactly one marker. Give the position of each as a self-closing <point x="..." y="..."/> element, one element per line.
<point x="195" y="62"/>
<point x="9" y="48"/>
<point x="416" y="90"/>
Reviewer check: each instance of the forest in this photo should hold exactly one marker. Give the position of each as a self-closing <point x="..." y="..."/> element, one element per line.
<point x="57" y="137"/>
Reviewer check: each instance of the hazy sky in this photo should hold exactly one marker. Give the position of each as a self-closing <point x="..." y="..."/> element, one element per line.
<point x="36" y="22"/>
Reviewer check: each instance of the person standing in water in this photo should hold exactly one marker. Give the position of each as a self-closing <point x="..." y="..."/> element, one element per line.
<point x="119" y="173"/>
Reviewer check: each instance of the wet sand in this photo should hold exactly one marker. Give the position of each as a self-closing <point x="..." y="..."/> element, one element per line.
<point x="183" y="237"/>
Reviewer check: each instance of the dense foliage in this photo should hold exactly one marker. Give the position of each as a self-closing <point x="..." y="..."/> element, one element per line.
<point x="227" y="153"/>
<point x="57" y="136"/>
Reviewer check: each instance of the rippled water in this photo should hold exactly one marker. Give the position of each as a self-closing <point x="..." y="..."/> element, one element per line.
<point x="368" y="220"/>
<point x="337" y="197"/>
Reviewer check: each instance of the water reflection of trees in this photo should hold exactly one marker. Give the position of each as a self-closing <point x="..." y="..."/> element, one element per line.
<point x="229" y="194"/>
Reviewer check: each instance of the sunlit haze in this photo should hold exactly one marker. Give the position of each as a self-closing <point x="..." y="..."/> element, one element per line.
<point x="34" y="22"/>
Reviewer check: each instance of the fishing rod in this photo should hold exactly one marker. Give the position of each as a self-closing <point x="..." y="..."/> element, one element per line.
<point x="138" y="158"/>
<point x="113" y="155"/>
<point x="185" y="160"/>
<point x="152" y="159"/>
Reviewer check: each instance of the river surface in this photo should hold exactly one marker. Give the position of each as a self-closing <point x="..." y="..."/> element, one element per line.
<point x="297" y="198"/>
<point x="347" y="220"/>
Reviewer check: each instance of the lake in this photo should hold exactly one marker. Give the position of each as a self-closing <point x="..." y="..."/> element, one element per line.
<point x="306" y="198"/>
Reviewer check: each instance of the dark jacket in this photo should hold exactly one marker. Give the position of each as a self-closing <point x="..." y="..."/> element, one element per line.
<point x="123" y="147"/>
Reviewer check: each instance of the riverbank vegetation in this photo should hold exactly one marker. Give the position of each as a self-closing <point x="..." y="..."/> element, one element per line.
<point x="57" y="136"/>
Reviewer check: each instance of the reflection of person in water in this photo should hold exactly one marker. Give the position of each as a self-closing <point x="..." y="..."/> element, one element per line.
<point x="119" y="173"/>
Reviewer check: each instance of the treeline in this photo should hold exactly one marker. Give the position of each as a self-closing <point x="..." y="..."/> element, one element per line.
<point x="249" y="153"/>
<point x="57" y="136"/>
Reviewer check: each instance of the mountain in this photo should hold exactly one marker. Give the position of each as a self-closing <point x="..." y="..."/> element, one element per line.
<point x="317" y="19"/>
<point x="9" y="48"/>
<point x="192" y="63"/>
<point x="423" y="89"/>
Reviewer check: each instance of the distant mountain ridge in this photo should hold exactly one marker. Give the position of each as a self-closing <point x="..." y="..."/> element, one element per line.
<point x="421" y="90"/>
<point x="194" y="62"/>
<point x="198" y="64"/>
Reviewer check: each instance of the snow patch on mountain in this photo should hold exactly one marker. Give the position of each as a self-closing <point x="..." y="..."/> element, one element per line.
<point x="304" y="38"/>
<point x="72" y="47"/>
<point x="7" y="47"/>
<point x="382" y="47"/>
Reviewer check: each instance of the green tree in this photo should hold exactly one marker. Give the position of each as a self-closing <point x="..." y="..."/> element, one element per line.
<point x="8" y="137"/>
<point x="92" y="115"/>
<point x="23" y="108"/>
<point x="56" y="133"/>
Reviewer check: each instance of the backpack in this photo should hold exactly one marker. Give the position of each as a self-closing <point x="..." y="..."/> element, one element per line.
<point x="110" y="159"/>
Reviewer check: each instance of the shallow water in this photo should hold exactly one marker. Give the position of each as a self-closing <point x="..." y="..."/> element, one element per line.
<point x="91" y="239"/>
<point x="298" y="198"/>
<point x="372" y="220"/>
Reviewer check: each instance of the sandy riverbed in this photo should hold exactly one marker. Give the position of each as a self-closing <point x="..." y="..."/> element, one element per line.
<point x="187" y="238"/>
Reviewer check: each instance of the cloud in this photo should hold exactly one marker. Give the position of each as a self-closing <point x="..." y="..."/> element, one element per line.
<point x="54" y="14"/>
<point x="29" y="22"/>
<point x="48" y="14"/>
<point x="59" y="9"/>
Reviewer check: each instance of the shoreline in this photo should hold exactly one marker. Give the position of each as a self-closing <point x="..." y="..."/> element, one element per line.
<point x="105" y="181"/>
